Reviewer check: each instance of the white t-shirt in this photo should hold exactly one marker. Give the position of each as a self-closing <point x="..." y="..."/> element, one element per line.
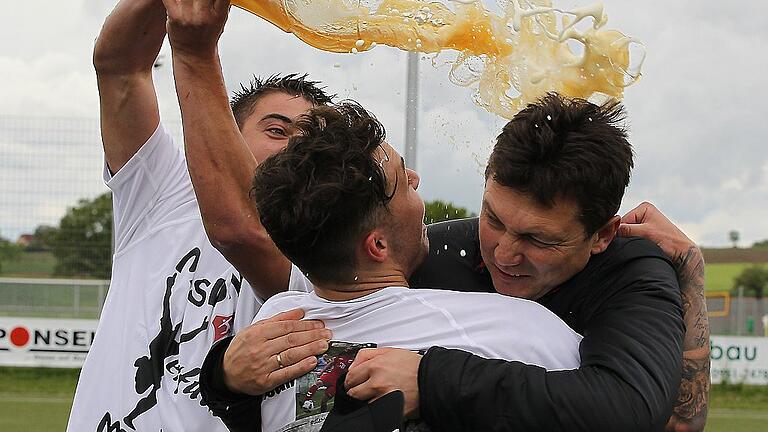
<point x="489" y="325"/>
<point x="172" y="295"/>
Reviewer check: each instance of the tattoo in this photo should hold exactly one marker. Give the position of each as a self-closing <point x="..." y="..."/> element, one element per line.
<point x="693" y="394"/>
<point x="690" y="275"/>
<point x="694" y="389"/>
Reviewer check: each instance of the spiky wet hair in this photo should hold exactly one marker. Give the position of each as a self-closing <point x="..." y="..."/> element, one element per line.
<point x="244" y="99"/>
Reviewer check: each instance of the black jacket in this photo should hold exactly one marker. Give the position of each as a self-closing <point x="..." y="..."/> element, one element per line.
<point x="626" y="304"/>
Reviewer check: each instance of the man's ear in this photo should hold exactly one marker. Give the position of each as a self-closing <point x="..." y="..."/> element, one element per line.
<point x="605" y="235"/>
<point x="375" y="246"/>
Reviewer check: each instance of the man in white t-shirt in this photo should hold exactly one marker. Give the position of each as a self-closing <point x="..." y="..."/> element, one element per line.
<point x="340" y="204"/>
<point x="172" y="294"/>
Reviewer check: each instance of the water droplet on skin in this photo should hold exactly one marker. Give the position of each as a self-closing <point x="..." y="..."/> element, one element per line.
<point x="354" y="50"/>
<point x="463" y="253"/>
<point x="445" y="247"/>
<point x="359" y="43"/>
<point x="373" y="45"/>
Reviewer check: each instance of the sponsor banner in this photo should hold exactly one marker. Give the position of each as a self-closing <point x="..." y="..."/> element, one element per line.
<point x="739" y="359"/>
<point x="45" y="342"/>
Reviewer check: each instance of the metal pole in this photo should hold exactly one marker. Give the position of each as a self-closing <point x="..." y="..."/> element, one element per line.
<point x="740" y="314"/>
<point x="77" y="301"/>
<point x="411" y="109"/>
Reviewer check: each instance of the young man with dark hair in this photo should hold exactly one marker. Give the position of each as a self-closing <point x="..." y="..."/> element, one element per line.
<point x="341" y="205"/>
<point x="625" y="386"/>
<point x="172" y="295"/>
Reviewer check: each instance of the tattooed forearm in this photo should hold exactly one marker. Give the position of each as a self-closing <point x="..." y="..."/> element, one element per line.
<point x="690" y="411"/>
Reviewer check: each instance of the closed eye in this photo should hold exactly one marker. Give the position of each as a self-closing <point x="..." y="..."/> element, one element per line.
<point x="540" y="243"/>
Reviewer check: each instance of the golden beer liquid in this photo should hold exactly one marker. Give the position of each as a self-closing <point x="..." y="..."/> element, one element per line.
<point x="513" y="58"/>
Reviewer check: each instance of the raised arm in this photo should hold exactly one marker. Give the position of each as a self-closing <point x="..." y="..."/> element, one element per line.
<point x="221" y="168"/>
<point x="220" y="164"/>
<point x="124" y="56"/>
<point x="690" y="411"/>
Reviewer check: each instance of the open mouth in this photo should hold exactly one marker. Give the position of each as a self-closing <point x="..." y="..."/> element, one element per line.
<point x="510" y="274"/>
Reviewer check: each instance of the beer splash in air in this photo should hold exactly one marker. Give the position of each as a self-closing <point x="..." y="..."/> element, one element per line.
<point x="513" y="58"/>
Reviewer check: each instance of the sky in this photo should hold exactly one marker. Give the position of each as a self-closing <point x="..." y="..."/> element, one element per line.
<point x="695" y="118"/>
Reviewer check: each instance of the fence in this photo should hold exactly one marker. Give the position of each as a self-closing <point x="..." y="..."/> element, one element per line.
<point x="743" y="315"/>
<point x="59" y="298"/>
<point x="55" y="211"/>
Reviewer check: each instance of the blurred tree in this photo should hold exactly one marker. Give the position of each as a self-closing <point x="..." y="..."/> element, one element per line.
<point x="82" y="244"/>
<point x="754" y="279"/>
<point x="734" y="236"/>
<point x="438" y="211"/>
<point x="8" y="251"/>
<point x="763" y="244"/>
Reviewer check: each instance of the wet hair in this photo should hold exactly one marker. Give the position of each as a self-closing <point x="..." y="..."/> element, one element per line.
<point x="561" y="148"/>
<point x="244" y="100"/>
<point x="323" y="192"/>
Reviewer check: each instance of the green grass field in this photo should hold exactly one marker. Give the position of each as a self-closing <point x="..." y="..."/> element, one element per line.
<point x="720" y="276"/>
<point x="37" y="400"/>
<point x="30" y="264"/>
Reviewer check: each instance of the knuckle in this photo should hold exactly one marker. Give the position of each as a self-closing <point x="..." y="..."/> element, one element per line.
<point x="286" y="327"/>
<point x="291" y="339"/>
<point x="378" y="385"/>
<point x="288" y="356"/>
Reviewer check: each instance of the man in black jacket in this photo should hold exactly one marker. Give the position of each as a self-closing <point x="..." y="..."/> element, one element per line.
<point x="554" y="183"/>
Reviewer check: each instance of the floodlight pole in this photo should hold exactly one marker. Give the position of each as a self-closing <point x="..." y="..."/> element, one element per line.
<point x="411" y="109"/>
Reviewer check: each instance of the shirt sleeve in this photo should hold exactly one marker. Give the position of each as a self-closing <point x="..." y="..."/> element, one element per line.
<point x="148" y="188"/>
<point x="631" y="367"/>
<point x="239" y="412"/>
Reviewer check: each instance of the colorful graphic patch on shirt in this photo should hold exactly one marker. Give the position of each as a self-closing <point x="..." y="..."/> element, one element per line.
<point x="315" y="391"/>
